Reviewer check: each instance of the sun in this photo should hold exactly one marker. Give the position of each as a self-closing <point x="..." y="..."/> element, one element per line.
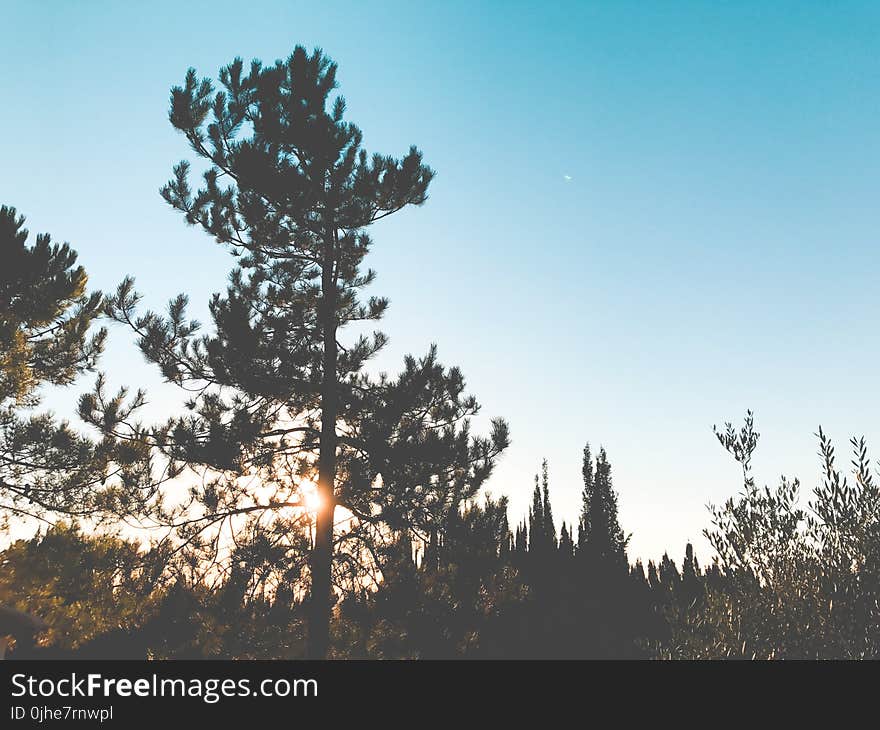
<point x="311" y="499"/>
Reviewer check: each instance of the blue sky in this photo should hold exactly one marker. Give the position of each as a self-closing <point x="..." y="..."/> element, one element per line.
<point x="647" y="217"/>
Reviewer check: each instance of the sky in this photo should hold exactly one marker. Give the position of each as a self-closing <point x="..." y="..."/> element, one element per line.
<point x="647" y="217"/>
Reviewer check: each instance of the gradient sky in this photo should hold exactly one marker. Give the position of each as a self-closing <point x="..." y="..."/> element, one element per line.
<point x="647" y="217"/>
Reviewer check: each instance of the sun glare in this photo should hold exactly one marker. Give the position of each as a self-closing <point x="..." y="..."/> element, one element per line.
<point x="311" y="499"/>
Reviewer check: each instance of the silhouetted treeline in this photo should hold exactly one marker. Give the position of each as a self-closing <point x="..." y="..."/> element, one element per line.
<point x="475" y="588"/>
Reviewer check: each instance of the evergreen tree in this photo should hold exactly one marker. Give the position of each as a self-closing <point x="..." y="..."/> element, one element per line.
<point x="600" y="538"/>
<point x="637" y="571"/>
<point x="566" y="544"/>
<point x="45" y="320"/>
<point x="456" y="604"/>
<point x="507" y="543"/>
<point x="607" y="594"/>
<point x="585" y="526"/>
<point x="45" y="313"/>
<point x="542" y="530"/>
<point x="549" y="526"/>
<point x="278" y="396"/>
<point x="536" y="528"/>
<point x="670" y="578"/>
<point x="653" y="576"/>
<point x="521" y="539"/>
<point x="82" y="586"/>
<point x="541" y="571"/>
<point x="691" y="584"/>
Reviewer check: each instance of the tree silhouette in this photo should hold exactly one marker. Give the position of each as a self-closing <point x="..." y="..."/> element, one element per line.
<point x="541" y="530"/>
<point x="600" y="539"/>
<point x="277" y="395"/>
<point x="46" y="315"/>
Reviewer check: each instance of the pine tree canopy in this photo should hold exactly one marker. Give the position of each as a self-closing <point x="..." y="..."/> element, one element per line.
<point x="45" y="313"/>
<point x="280" y="395"/>
<point x="45" y="317"/>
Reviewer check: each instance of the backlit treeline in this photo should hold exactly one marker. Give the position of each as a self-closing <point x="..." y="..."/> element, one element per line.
<point x="786" y="582"/>
<point x="300" y="505"/>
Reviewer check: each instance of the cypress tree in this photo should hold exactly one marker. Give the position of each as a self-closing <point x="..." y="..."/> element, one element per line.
<point x="653" y="576"/>
<point x="536" y="521"/>
<point x="585" y="526"/>
<point x="691" y="583"/>
<point x="549" y="526"/>
<point x="600" y="538"/>
<point x="637" y="572"/>
<point x="670" y="578"/>
<point x="506" y="545"/>
<point x="521" y="539"/>
<point x="604" y="571"/>
<point x="566" y="544"/>
<point x="542" y="530"/>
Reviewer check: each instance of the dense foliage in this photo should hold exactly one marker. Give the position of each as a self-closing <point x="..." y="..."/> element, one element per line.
<point x="787" y="582"/>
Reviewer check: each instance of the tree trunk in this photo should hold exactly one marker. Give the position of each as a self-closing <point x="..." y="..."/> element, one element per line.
<point x="322" y="552"/>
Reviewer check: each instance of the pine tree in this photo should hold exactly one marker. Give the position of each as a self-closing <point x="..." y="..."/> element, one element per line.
<point x="278" y="396"/>
<point x="46" y="317"/>
<point x="82" y="585"/>
<point x="45" y="313"/>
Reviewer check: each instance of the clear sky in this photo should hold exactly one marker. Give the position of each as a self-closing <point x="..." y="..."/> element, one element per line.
<point x="647" y="217"/>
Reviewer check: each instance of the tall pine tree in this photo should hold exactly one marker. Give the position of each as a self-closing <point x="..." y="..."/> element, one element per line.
<point x="281" y="399"/>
